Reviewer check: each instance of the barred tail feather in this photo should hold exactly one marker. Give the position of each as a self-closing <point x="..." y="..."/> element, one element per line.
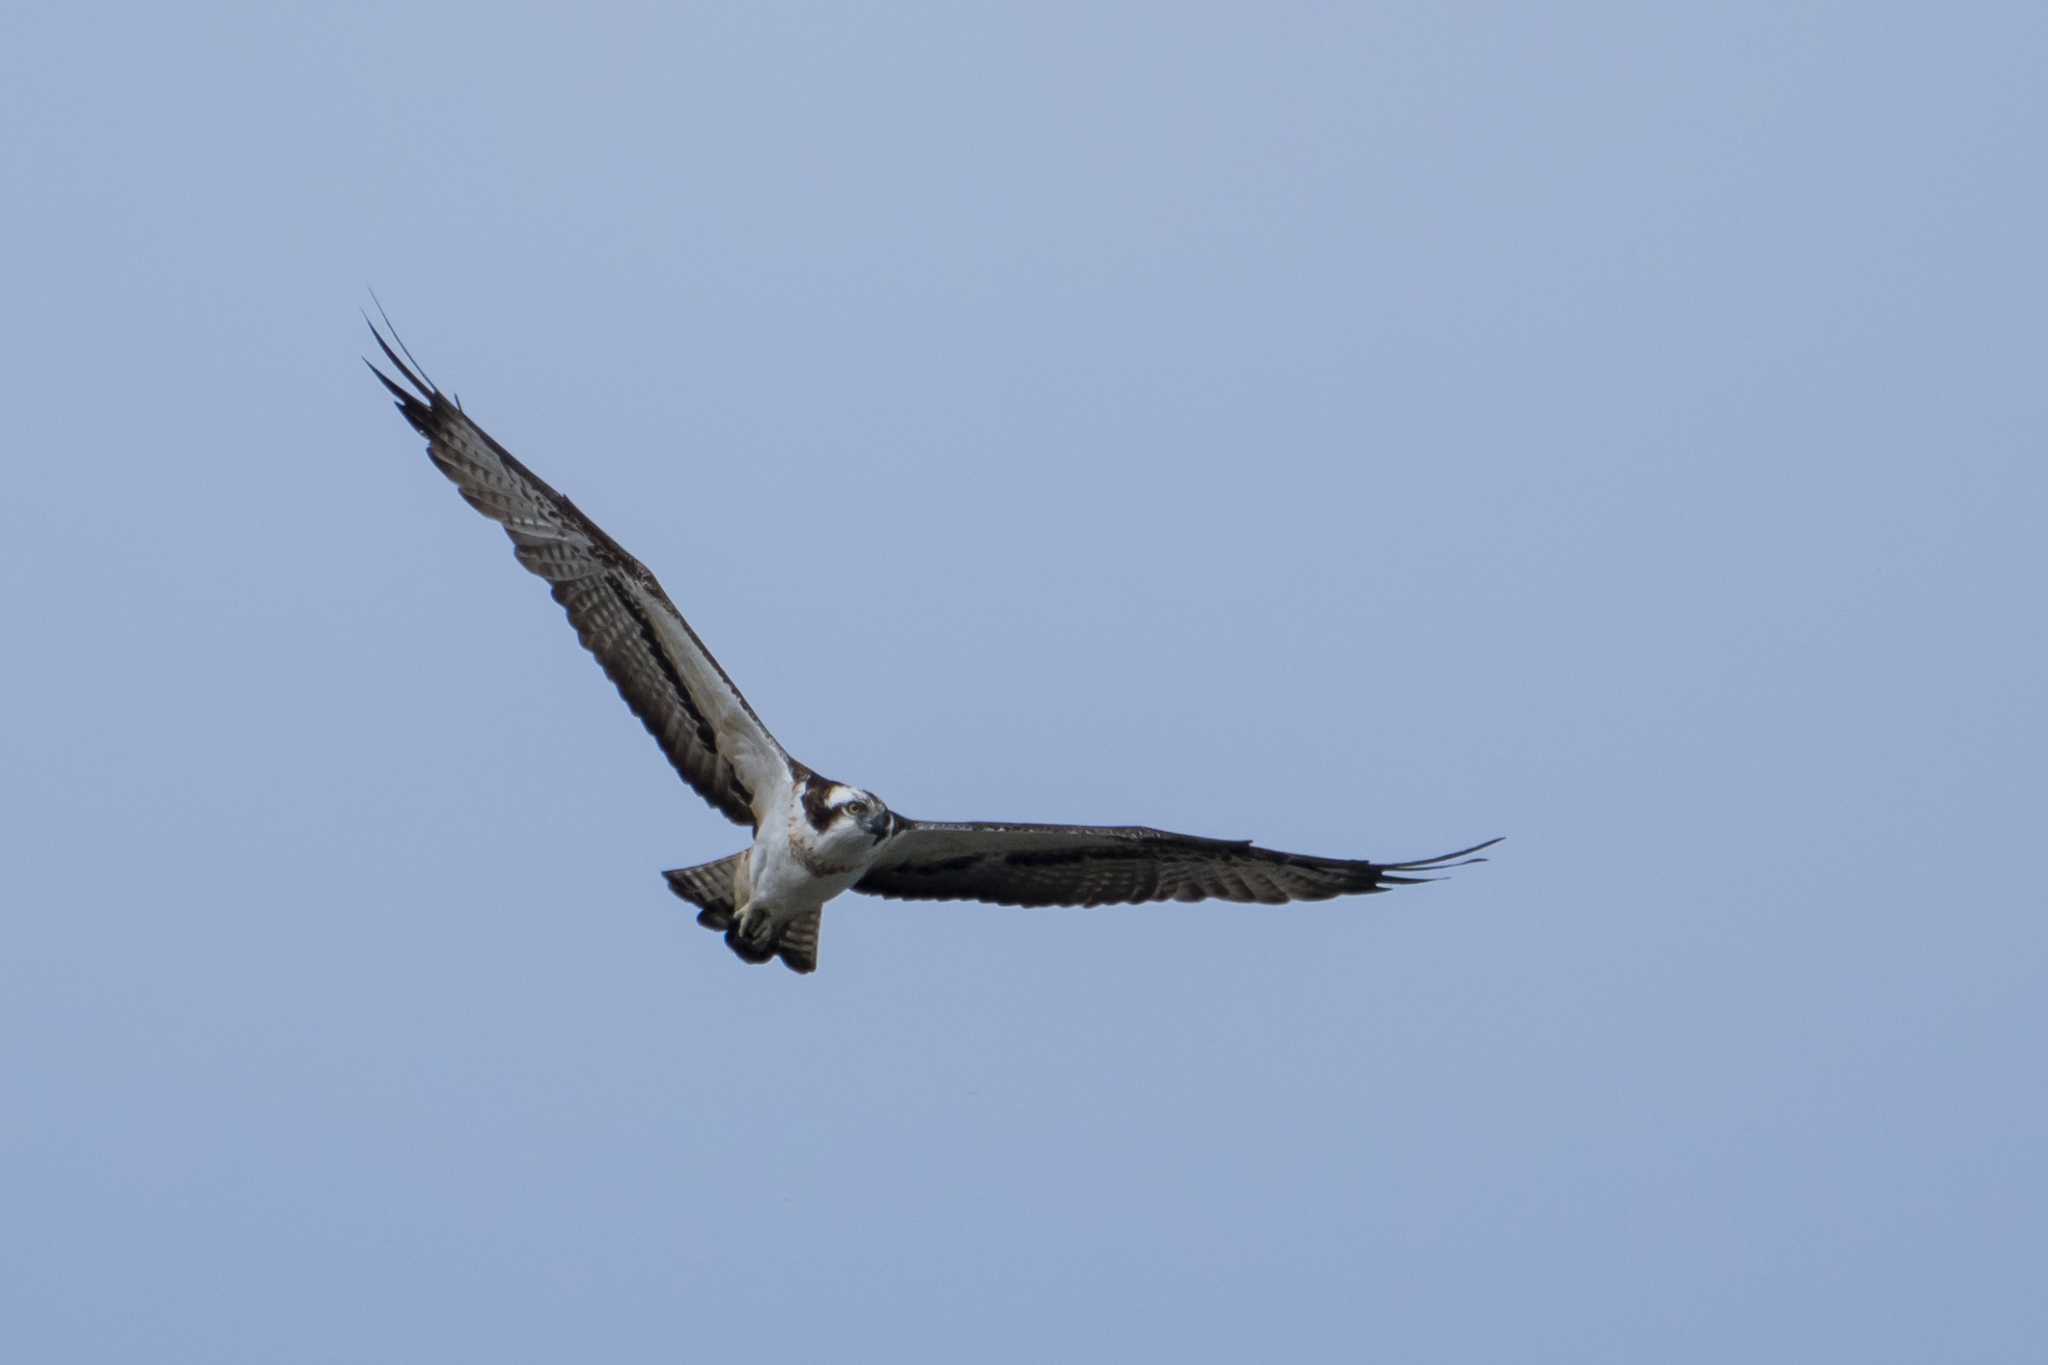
<point x="712" y="887"/>
<point x="798" y="945"/>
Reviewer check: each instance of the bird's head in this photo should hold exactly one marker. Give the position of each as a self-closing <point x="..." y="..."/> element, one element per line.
<point x="846" y="823"/>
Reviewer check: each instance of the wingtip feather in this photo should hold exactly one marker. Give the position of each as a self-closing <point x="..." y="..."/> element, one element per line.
<point x="401" y="358"/>
<point x="1442" y="861"/>
<point x="414" y="371"/>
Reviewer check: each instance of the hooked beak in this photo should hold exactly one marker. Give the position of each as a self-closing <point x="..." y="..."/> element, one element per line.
<point x="880" y="825"/>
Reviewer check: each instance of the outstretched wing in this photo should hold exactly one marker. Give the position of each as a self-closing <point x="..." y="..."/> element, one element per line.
<point x="621" y="615"/>
<point x="1117" y="865"/>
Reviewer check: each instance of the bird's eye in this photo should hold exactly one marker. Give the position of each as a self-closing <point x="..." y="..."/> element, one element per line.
<point x="856" y="808"/>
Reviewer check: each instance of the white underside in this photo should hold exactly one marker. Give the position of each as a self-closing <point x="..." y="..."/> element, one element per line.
<point x="779" y="884"/>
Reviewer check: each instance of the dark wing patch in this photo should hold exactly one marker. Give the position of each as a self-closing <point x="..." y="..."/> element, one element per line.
<point x="620" y="612"/>
<point x="1009" y="864"/>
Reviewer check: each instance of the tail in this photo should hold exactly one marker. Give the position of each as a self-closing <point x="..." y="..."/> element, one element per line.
<point x="798" y="945"/>
<point x="714" y="889"/>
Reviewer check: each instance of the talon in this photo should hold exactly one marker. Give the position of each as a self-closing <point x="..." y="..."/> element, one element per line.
<point x="745" y="948"/>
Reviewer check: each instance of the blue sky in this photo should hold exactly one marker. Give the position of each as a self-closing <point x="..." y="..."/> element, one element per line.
<point x="1366" y="428"/>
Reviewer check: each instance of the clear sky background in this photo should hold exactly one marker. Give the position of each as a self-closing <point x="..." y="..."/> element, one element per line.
<point x="1368" y="428"/>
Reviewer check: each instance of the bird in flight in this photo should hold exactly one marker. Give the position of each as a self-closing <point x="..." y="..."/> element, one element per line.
<point x="814" y="837"/>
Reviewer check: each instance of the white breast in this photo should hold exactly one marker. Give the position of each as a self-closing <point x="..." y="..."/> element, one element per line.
<point x="784" y="883"/>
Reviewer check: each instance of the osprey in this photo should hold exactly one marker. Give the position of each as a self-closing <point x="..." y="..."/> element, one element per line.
<point x="813" y="837"/>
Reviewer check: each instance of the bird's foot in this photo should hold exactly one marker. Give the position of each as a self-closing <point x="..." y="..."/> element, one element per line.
<point x="750" y="938"/>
